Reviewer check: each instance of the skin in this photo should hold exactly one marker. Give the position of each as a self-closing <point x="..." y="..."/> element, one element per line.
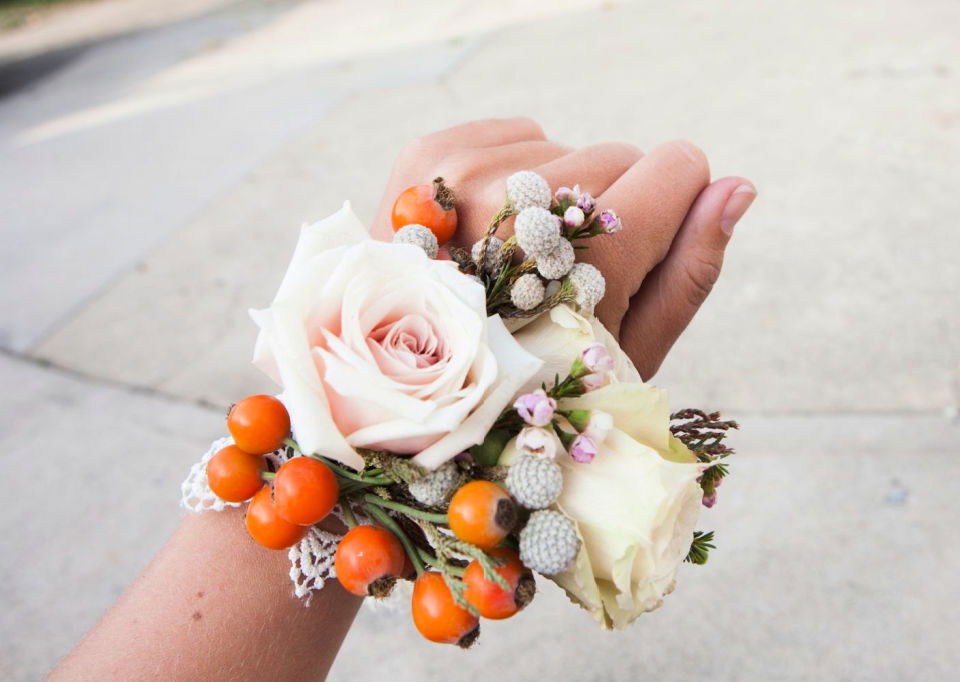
<point x="214" y="605"/>
<point x="677" y="223"/>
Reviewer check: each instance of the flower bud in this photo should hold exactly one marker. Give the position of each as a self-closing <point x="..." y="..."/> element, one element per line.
<point x="586" y="203"/>
<point x="599" y="425"/>
<point x="536" y="441"/>
<point x="573" y="217"/>
<point x="596" y="358"/>
<point x="493" y="258"/>
<point x="536" y="408"/>
<point x="418" y="235"/>
<point x="526" y="189"/>
<point x="609" y="221"/>
<point x="563" y="193"/>
<point x="588" y="285"/>
<point x="527" y="292"/>
<point x="583" y="449"/>
<point x="591" y="382"/>
<point x="710" y="499"/>
<point x="537" y="231"/>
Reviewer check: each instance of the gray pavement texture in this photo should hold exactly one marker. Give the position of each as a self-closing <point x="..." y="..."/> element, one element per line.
<point x="152" y="184"/>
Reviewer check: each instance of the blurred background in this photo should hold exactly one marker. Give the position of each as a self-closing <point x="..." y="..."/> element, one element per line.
<point x="157" y="159"/>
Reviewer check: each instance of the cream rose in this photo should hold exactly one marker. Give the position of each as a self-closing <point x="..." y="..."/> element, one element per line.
<point x="637" y="502"/>
<point x="559" y="336"/>
<point x="378" y="346"/>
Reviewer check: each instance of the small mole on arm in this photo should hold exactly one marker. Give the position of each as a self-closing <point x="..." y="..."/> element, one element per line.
<point x="197" y="615"/>
<point x="200" y="594"/>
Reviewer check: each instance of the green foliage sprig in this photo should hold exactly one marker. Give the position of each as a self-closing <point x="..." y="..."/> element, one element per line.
<point x="700" y="549"/>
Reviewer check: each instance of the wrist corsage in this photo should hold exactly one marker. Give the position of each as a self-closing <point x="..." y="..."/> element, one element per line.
<point x="465" y="421"/>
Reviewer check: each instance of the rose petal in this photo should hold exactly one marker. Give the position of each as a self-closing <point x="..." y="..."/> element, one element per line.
<point x="313" y="426"/>
<point x="640" y="410"/>
<point x="515" y="368"/>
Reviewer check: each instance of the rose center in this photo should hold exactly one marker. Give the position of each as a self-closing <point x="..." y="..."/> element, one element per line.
<point x="411" y="341"/>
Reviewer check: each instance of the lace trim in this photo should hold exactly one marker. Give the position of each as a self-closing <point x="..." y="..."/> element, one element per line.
<point x="311" y="560"/>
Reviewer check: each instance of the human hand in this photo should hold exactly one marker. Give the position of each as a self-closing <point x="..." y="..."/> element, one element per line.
<point x="659" y="268"/>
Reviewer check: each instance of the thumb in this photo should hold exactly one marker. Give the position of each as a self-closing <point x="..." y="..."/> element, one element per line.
<point x="674" y="291"/>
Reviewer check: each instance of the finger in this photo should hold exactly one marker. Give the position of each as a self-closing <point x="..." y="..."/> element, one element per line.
<point x="471" y="167"/>
<point x="652" y="199"/>
<point x="594" y="167"/>
<point x="478" y="177"/>
<point x="416" y="164"/>
<point x="673" y="292"/>
<point x="490" y="132"/>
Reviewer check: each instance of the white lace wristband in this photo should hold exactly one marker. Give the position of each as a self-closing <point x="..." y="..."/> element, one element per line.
<point x="311" y="559"/>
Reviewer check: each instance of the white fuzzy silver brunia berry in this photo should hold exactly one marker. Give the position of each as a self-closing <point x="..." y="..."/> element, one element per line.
<point x="435" y="488"/>
<point x="535" y="482"/>
<point x="588" y="285"/>
<point x="527" y="292"/>
<point x="526" y="188"/>
<point x="492" y="261"/>
<point x="549" y="542"/>
<point x="537" y="230"/>
<point x="418" y="235"/>
<point x="558" y="262"/>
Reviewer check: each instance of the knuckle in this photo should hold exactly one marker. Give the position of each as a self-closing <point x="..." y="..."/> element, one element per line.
<point x="620" y="153"/>
<point x="694" y="158"/>
<point x="534" y="128"/>
<point x="419" y="150"/>
<point x="493" y="192"/>
<point x="458" y="167"/>
<point x="702" y="272"/>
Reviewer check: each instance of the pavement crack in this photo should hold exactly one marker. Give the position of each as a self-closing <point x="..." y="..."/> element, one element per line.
<point x="92" y="380"/>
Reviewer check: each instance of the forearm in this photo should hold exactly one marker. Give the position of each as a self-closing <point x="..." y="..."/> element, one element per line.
<point x="214" y="605"/>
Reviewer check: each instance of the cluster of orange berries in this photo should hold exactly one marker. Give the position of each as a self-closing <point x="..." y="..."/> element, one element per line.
<point x="369" y="558"/>
<point x="303" y="491"/>
<point x="481" y="514"/>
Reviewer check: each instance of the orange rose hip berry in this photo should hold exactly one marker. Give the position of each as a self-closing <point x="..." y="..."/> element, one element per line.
<point x="429" y="205"/>
<point x="259" y="424"/>
<point x="267" y="527"/>
<point x="368" y="561"/>
<point x="482" y="513"/>
<point x="234" y="475"/>
<point x="491" y="600"/>
<point x="305" y="490"/>
<point x="437" y="615"/>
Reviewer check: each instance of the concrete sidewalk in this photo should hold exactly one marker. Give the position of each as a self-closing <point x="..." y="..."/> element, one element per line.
<point x="153" y="186"/>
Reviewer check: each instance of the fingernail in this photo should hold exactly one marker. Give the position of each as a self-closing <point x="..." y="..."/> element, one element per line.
<point x="737" y="205"/>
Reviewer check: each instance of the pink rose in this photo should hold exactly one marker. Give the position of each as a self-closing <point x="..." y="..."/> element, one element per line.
<point x="377" y="346"/>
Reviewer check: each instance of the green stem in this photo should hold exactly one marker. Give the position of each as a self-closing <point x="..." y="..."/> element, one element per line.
<point x="267" y="475"/>
<point x="291" y="443"/>
<point x="392" y="526"/>
<point x="440" y="564"/>
<point x="348" y="486"/>
<point x="345" y="473"/>
<point x="404" y="509"/>
<point x="347" y="512"/>
<point x="505" y="212"/>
